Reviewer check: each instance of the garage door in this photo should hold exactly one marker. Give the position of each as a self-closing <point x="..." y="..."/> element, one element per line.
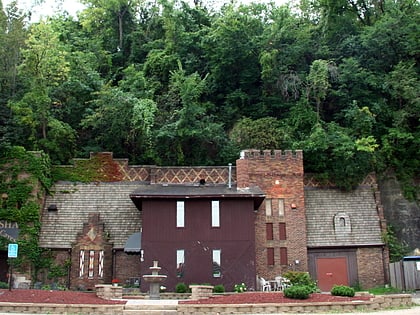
<point x="331" y="271"/>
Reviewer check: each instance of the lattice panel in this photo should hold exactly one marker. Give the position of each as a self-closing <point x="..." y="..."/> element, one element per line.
<point x="193" y="175"/>
<point x="134" y="173"/>
<point x="312" y="182"/>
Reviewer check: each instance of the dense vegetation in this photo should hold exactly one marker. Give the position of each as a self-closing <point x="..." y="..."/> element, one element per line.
<point x="168" y="83"/>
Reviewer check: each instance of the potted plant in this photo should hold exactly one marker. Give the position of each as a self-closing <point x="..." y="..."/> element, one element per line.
<point x="115" y="282"/>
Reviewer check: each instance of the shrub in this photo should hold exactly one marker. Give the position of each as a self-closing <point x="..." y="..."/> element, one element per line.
<point x="4" y="285"/>
<point x="342" y="290"/>
<point x="301" y="279"/>
<point x="219" y="288"/>
<point x="239" y="288"/>
<point x="300" y="292"/>
<point x="181" y="288"/>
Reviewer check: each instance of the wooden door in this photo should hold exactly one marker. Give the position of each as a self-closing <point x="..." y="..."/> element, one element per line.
<point x="331" y="271"/>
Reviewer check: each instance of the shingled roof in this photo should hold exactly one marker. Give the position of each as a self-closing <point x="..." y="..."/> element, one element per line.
<point x="75" y="201"/>
<point x="336" y="218"/>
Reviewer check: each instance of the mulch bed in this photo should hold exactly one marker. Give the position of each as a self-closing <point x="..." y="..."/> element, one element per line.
<point x="56" y="297"/>
<point x="272" y="297"/>
<point x="75" y="297"/>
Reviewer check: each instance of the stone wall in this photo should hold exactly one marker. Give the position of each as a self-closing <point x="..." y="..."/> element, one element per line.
<point x="402" y="214"/>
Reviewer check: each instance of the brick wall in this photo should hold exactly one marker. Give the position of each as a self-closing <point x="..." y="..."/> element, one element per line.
<point x="280" y="175"/>
<point x="371" y="265"/>
<point x="127" y="266"/>
<point x="91" y="239"/>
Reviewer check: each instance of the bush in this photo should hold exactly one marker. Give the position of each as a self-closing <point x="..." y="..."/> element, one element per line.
<point x="219" y="288"/>
<point x="239" y="288"/>
<point x="342" y="290"/>
<point x="4" y="285"/>
<point x="181" y="288"/>
<point x="300" y="292"/>
<point x="298" y="278"/>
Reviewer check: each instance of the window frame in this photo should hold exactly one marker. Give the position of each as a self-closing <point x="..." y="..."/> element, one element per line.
<point x="215" y="213"/>
<point x="180" y="214"/>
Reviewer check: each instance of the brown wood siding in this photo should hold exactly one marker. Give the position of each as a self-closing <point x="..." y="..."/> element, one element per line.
<point x="235" y="238"/>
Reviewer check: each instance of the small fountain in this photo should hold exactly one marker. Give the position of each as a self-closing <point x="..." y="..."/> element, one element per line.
<point x="155" y="279"/>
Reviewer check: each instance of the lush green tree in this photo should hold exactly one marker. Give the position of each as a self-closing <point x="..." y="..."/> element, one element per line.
<point x="266" y="133"/>
<point x="335" y="156"/>
<point x="44" y="67"/>
<point x="187" y="134"/>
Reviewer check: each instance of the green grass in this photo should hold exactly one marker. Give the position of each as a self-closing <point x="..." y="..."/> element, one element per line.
<point x="383" y="290"/>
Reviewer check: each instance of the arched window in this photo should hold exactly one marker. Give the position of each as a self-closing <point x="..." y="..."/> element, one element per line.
<point x="342" y="223"/>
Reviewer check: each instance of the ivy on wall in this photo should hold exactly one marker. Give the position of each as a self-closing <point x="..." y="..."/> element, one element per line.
<point x="24" y="179"/>
<point x="99" y="168"/>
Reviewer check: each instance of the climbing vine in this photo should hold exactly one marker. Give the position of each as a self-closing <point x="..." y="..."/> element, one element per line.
<point x="99" y="168"/>
<point x="24" y="179"/>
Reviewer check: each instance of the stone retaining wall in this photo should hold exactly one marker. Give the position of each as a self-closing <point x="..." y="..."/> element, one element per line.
<point x="109" y="291"/>
<point x="377" y="303"/>
<point x="47" y="308"/>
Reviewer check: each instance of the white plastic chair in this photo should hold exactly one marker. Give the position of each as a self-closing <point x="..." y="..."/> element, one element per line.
<point x="265" y="285"/>
<point x="282" y="283"/>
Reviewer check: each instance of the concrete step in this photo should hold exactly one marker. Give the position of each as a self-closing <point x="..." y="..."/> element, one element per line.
<point x="154" y="312"/>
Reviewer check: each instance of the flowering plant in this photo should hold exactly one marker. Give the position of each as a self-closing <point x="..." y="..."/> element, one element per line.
<point x="115" y="281"/>
<point x="239" y="288"/>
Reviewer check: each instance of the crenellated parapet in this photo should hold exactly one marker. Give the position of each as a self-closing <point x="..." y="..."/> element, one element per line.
<point x="253" y="154"/>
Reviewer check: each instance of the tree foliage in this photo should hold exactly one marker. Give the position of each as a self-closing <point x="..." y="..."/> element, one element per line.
<point x="164" y="82"/>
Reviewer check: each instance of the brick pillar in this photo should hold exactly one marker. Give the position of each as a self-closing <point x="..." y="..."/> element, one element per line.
<point x="280" y="175"/>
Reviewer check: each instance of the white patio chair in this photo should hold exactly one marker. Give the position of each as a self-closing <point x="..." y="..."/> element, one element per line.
<point x="265" y="285"/>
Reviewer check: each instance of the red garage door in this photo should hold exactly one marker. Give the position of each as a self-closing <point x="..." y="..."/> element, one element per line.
<point x="331" y="271"/>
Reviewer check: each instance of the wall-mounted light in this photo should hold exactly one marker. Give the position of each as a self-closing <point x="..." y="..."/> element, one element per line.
<point x="293" y="206"/>
<point x="277" y="182"/>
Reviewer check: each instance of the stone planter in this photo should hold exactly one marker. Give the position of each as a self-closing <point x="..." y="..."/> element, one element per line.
<point x="108" y="291"/>
<point x="201" y="291"/>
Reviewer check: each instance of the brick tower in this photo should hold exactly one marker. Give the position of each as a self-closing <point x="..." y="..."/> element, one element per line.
<point x="280" y="223"/>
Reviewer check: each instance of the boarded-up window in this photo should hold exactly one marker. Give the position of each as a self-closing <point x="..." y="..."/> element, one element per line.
<point x="269" y="231"/>
<point x="283" y="255"/>
<point x="91" y="263"/>
<point x="101" y="264"/>
<point x="270" y="256"/>
<point x="268" y="211"/>
<point x="81" y="263"/>
<point x="282" y="231"/>
<point x="281" y="207"/>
